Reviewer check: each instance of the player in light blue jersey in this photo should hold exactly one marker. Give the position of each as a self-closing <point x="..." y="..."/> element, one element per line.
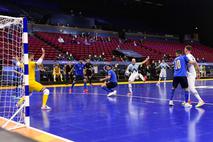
<point x="163" y="65"/>
<point x="132" y="69"/>
<point x="110" y="81"/>
<point x="180" y="76"/>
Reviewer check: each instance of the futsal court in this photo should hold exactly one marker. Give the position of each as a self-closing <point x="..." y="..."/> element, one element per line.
<point x="146" y="116"/>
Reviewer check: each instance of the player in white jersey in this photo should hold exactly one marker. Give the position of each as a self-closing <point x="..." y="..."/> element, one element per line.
<point x="191" y="75"/>
<point x="163" y="65"/>
<point x="132" y="69"/>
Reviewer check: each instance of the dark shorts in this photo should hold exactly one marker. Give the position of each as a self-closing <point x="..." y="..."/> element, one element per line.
<point x="78" y="77"/>
<point x="88" y="73"/>
<point x="111" y="85"/>
<point x="182" y="80"/>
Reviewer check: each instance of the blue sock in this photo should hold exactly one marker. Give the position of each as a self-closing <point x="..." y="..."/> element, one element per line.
<point x="186" y="96"/>
<point x="172" y="94"/>
<point x="85" y="85"/>
<point x="107" y="89"/>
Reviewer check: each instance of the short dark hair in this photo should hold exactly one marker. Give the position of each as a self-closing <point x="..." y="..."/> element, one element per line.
<point x="178" y="52"/>
<point x="188" y="47"/>
<point x="109" y="66"/>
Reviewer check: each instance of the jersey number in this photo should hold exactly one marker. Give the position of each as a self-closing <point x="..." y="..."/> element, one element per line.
<point x="177" y="64"/>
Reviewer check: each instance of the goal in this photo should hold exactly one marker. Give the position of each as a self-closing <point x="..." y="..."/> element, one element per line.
<point x="13" y="78"/>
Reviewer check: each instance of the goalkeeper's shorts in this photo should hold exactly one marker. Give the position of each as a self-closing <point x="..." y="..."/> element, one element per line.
<point x="35" y="86"/>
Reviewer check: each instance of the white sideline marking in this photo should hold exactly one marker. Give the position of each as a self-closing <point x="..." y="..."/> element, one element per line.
<point x="204" y="87"/>
<point x="41" y="131"/>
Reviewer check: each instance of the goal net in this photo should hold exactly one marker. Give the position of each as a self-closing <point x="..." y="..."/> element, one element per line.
<point x="12" y="86"/>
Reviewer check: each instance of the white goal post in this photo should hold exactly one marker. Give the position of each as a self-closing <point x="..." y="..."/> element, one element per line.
<point x="14" y="80"/>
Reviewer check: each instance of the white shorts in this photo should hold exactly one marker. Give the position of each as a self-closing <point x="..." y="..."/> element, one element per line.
<point x="162" y="73"/>
<point x="135" y="75"/>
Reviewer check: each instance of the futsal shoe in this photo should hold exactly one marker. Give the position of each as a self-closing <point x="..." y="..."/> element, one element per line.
<point x="171" y="103"/>
<point x="114" y="93"/>
<point x="45" y="108"/>
<point x="70" y="91"/>
<point x="112" y="99"/>
<point x="145" y="78"/>
<point x="129" y="94"/>
<point x="86" y="91"/>
<point x="183" y="103"/>
<point x="187" y="105"/>
<point x="200" y="103"/>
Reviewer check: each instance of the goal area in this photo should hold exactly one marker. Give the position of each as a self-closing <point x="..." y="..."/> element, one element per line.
<point x="13" y="77"/>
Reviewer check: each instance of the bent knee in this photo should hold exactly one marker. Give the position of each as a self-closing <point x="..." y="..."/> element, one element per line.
<point x="46" y="91"/>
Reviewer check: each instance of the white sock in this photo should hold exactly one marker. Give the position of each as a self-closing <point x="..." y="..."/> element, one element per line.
<point x="197" y="96"/>
<point x="130" y="88"/>
<point x="159" y="80"/>
<point x="141" y="76"/>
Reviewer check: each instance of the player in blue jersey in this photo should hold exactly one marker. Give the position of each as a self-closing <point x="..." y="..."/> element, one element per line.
<point x="79" y="75"/>
<point x="180" y="76"/>
<point x="110" y="81"/>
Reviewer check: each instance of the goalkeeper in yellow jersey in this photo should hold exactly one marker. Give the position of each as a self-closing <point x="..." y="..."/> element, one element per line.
<point x="33" y="84"/>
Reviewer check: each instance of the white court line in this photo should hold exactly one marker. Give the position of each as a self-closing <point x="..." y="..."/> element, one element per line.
<point x="140" y="97"/>
<point x="204" y="87"/>
<point x="47" y="133"/>
<point x="41" y="131"/>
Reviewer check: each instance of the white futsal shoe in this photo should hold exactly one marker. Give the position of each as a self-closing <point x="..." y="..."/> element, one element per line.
<point x="45" y="108"/>
<point x="114" y="93"/>
<point x="129" y="94"/>
<point x="200" y="103"/>
<point x="171" y="103"/>
<point x="187" y="105"/>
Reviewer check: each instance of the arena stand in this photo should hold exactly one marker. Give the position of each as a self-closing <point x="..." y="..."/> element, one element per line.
<point x="35" y="46"/>
<point x="76" y="46"/>
<point x="102" y="41"/>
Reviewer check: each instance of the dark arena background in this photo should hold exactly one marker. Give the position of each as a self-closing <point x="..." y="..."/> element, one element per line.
<point x="121" y="57"/>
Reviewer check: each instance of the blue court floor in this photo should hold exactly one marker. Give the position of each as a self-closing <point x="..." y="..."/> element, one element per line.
<point x="145" y="117"/>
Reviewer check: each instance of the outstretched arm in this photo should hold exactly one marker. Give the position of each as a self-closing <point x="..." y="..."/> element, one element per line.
<point x="145" y="60"/>
<point x="40" y="60"/>
<point x="167" y="65"/>
<point x="106" y="78"/>
<point x="19" y="73"/>
<point x="157" y="66"/>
